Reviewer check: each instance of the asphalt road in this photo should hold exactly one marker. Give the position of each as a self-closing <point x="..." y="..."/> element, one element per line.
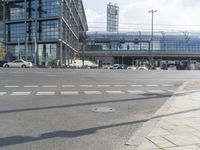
<point x="59" y="109"/>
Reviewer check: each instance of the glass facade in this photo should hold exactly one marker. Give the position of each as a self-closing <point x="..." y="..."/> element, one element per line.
<point x="169" y="42"/>
<point x="112" y="18"/>
<point x="43" y="30"/>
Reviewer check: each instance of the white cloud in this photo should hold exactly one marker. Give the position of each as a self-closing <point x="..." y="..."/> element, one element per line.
<point x="134" y="15"/>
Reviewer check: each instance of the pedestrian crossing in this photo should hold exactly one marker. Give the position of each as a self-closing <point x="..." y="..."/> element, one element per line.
<point x="87" y="86"/>
<point x="92" y="92"/>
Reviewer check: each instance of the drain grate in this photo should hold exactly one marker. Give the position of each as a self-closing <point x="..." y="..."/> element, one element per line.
<point x="103" y="109"/>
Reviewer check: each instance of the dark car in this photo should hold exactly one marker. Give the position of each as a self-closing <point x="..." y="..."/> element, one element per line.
<point x="2" y="62"/>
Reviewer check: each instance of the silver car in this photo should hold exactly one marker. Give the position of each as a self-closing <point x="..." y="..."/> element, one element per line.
<point x="18" y="64"/>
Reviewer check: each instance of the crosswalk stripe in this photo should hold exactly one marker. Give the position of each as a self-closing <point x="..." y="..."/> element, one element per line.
<point x="49" y="86"/>
<point x="92" y="92"/>
<point x="115" y="92"/>
<point x="137" y="85"/>
<point x="119" y="85"/>
<point x="152" y="85"/>
<point x="136" y="92"/>
<point x="45" y="93"/>
<point x="156" y="91"/>
<point x="68" y="86"/>
<point x="20" y="93"/>
<point x="30" y="86"/>
<point x="69" y="93"/>
<point x="103" y="85"/>
<point x="168" y="85"/>
<point x="11" y="86"/>
<point x="86" y="85"/>
<point x="3" y="93"/>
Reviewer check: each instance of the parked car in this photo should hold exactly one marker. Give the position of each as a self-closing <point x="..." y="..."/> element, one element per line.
<point x="107" y="67"/>
<point x="142" y="68"/>
<point x="2" y="62"/>
<point x="119" y="66"/>
<point x="132" y="68"/>
<point x="116" y="66"/>
<point x="18" y="64"/>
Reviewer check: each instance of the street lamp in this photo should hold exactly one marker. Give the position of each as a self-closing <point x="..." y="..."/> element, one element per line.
<point x="152" y="13"/>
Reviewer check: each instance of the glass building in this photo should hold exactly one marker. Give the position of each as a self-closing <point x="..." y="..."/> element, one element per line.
<point x="127" y="47"/>
<point x="112" y="18"/>
<point x="43" y="31"/>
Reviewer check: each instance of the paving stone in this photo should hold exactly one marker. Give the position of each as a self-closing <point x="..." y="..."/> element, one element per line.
<point x="193" y="147"/>
<point x="183" y="139"/>
<point x="179" y="129"/>
<point x="158" y="131"/>
<point x="147" y="145"/>
<point x="161" y="142"/>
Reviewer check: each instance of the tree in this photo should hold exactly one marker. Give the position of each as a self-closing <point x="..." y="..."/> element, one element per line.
<point x="2" y="52"/>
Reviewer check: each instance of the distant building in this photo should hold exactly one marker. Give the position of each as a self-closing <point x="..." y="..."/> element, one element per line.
<point x="43" y="30"/>
<point x="112" y="18"/>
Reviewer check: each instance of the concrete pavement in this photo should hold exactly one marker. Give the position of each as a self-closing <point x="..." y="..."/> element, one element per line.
<point x="178" y="122"/>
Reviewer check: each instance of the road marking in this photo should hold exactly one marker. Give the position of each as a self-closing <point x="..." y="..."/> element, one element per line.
<point x="19" y="75"/>
<point x="20" y="93"/>
<point x="115" y="92"/>
<point x="68" y="86"/>
<point x="103" y="85"/>
<point x="92" y="92"/>
<point x="172" y="91"/>
<point x="3" y="93"/>
<point x="69" y="93"/>
<point x="50" y="86"/>
<point x="156" y="91"/>
<point x="137" y="85"/>
<point x="30" y="86"/>
<point x="119" y="85"/>
<point x="152" y="85"/>
<point x="136" y="92"/>
<point x="11" y="86"/>
<point x="86" y="85"/>
<point x="45" y="93"/>
<point x="168" y="85"/>
<point x="55" y="75"/>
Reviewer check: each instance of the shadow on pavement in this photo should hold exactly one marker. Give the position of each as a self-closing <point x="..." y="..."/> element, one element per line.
<point x="150" y="97"/>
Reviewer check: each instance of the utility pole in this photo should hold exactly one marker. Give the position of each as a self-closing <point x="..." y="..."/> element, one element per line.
<point x="152" y="32"/>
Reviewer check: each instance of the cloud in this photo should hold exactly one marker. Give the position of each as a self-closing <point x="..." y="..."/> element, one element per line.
<point x="171" y="15"/>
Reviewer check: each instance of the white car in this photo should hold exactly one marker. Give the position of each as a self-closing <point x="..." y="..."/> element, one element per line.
<point x="142" y="68"/>
<point x="18" y="64"/>
<point x="132" y="68"/>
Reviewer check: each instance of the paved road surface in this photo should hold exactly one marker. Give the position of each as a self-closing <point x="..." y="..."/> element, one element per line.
<point x="57" y="109"/>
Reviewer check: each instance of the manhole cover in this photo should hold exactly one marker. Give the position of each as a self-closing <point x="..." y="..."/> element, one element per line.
<point x="103" y="109"/>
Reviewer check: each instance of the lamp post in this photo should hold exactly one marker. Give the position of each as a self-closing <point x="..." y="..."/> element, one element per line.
<point x="152" y="38"/>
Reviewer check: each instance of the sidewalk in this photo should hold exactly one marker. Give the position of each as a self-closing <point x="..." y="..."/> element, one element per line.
<point x="178" y="127"/>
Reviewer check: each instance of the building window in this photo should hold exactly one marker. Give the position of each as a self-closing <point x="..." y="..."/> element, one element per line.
<point x="17" y="32"/>
<point x="49" y="30"/>
<point x="17" y="10"/>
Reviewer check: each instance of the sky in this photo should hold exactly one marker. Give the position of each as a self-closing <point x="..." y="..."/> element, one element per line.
<point x="171" y="15"/>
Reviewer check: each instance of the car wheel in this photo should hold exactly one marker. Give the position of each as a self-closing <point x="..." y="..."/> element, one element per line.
<point x="7" y="66"/>
<point x="23" y="66"/>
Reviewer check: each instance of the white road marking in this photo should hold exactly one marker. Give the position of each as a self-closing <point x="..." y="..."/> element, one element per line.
<point x="156" y="91"/>
<point x="137" y="85"/>
<point x="115" y="92"/>
<point x="136" y="92"/>
<point x="119" y="85"/>
<point x="11" y="86"/>
<point x="68" y="86"/>
<point x="152" y="85"/>
<point x="50" y="86"/>
<point x="69" y="93"/>
<point x="168" y="85"/>
<point x="92" y="92"/>
<point x="55" y="75"/>
<point x="86" y="85"/>
<point x="20" y="93"/>
<point x="19" y="75"/>
<point x="3" y="93"/>
<point x="45" y="93"/>
<point x="30" y="86"/>
<point x="173" y="91"/>
<point x="103" y="85"/>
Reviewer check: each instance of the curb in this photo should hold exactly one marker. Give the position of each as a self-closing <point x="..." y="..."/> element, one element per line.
<point x="138" y="137"/>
